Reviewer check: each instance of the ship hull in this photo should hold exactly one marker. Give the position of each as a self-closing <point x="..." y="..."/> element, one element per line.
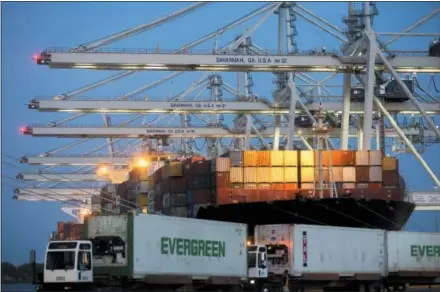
<point x="347" y="212"/>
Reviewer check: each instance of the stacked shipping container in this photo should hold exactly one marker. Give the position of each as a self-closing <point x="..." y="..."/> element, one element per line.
<point x="181" y="188"/>
<point x="68" y="231"/>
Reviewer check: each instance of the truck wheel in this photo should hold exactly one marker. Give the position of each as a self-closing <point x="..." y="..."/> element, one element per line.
<point x="361" y="288"/>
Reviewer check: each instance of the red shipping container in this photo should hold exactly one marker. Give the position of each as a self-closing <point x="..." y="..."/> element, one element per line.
<point x="222" y="196"/>
<point x="390" y="178"/>
<point x="249" y="186"/>
<point x="202" y="167"/>
<point x="278" y="187"/>
<point x="220" y="180"/>
<point x="375" y="186"/>
<point x="362" y="174"/>
<point x="201" y="196"/>
<point x="60" y="226"/>
<point x="264" y="186"/>
<point x="290" y="186"/>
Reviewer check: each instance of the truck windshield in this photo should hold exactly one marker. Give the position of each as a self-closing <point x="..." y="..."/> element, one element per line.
<point x="60" y="260"/>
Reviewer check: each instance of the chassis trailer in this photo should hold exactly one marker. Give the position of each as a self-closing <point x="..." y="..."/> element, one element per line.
<point x="148" y="252"/>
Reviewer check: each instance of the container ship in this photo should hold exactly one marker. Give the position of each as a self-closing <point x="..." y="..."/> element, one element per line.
<point x="347" y="188"/>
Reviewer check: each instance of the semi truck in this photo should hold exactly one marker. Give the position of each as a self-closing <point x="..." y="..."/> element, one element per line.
<point x="147" y="252"/>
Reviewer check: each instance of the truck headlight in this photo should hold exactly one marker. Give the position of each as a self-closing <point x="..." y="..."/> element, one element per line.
<point x="252" y="282"/>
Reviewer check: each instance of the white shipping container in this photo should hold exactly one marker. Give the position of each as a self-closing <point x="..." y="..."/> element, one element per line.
<point x="325" y="249"/>
<point x="375" y="157"/>
<point x="165" y="245"/>
<point x="375" y="174"/>
<point x="413" y="251"/>
<point x="362" y="158"/>
<point x="250" y="175"/>
<point x="349" y="174"/>
<point x="220" y="164"/>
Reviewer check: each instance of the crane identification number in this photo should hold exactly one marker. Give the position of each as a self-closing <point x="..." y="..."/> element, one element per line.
<point x="169" y="131"/>
<point x="198" y="105"/>
<point x="251" y="60"/>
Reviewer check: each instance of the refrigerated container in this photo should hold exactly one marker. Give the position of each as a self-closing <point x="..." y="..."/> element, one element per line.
<point x="166" y="238"/>
<point x="277" y="158"/>
<point x="250" y="175"/>
<point x="236" y="175"/>
<point x="308" y="249"/>
<point x="413" y="252"/>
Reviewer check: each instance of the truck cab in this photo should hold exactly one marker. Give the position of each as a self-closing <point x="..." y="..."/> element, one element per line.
<point x="67" y="265"/>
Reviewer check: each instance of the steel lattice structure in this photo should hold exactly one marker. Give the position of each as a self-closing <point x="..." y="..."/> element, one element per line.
<point x="236" y="117"/>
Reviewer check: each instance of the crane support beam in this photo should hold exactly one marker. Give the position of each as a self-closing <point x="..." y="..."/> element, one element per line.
<point x="189" y="132"/>
<point x="208" y="107"/>
<point x="56" y="194"/>
<point x="61" y="177"/>
<point x="149" y="60"/>
<point x="88" y="160"/>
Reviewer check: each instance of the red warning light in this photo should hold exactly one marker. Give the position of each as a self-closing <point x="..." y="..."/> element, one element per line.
<point x="22" y="130"/>
<point x="36" y="57"/>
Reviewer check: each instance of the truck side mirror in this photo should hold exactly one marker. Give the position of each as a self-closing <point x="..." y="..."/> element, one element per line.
<point x="32" y="256"/>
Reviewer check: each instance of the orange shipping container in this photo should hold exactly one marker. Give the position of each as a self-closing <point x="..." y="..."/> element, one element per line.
<point x="264" y="186"/>
<point x="277" y="174"/>
<point x="375" y="158"/>
<point x="277" y="158"/>
<point x="375" y="186"/>
<point x="263" y="158"/>
<point x="307" y="157"/>
<point x="250" y="175"/>
<point x="337" y="174"/>
<point x="291" y="174"/>
<point x="250" y="158"/>
<point x="307" y="174"/>
<point x="332" y="157"/>
<point x="307" y="186"/>
<point x="278" y="186"/>
<point x="236" y="175"/>
<point x="290" y="158"/>
<point x="290" y="186"/>
<point x="264" y="174"/>
<point x="362" y="158"/>
<point x="389" y="163"/>
<point x="348" y="158"/>
<point x="336" y="157"/>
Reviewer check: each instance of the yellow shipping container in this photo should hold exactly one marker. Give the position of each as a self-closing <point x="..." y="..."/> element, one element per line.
<point x="307" y="157"/>
<point x="236" y="175"/>
<point x="277" y="174"/>
<point x="176" y="168"/>
<point x="264" y="174"/>
<point x="250" y="175"/>
<point x="290" y="158"/>
<point x="277" y="158"/>
<point x="291" y="174"/>
<point x="250" y="158"/>
<point x="307" y="174"/>
<point x="389" y="163"/>
<point x="142" y="199"/>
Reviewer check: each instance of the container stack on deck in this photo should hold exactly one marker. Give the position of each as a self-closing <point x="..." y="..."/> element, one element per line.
<point x="68" y="231"/>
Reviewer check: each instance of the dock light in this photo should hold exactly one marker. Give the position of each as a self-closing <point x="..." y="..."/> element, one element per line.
<point x="103" y="170"/>
<point x="142" y="162"/>
<point x="249" y="243"/>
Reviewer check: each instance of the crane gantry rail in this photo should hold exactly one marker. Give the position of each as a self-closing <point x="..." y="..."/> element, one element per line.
<point x="149" y="60"/>
<point x="208" y="107"/>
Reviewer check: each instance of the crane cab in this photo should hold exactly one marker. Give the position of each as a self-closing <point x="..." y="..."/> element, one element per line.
<point x="68" y="263"/>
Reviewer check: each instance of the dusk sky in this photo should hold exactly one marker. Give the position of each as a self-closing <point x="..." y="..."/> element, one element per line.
<point x="28" y="28"/>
